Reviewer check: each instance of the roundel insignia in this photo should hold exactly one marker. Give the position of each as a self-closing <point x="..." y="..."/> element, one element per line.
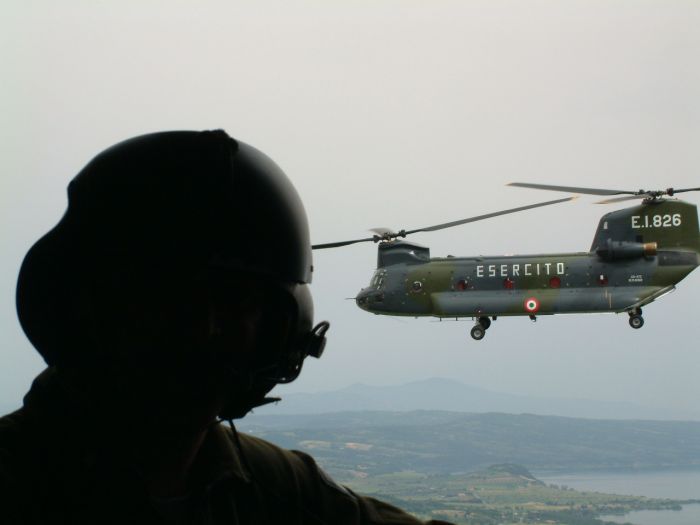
<point x="531" y="305"/>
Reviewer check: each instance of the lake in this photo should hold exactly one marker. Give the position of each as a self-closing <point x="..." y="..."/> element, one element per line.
<point x="683" y="484"/>
<point x="690" y="515"/>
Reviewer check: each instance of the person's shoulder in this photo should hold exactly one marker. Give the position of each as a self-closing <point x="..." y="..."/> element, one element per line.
<point x="12" y="442"/>
<point x="283" y="472"/>
<point x="256" y="444"/>
<point x="11" y="430"/>
<point x="274" y="465"/>
<point x="261" y="455"/>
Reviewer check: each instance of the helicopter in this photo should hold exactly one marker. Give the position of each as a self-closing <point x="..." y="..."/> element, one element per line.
<point x="638" y="255"/>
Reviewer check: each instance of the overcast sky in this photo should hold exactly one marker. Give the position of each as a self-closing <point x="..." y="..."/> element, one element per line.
<point x="394" y="114"/>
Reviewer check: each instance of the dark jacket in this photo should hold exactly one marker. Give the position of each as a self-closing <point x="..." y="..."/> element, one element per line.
<point x="58" y="466"/>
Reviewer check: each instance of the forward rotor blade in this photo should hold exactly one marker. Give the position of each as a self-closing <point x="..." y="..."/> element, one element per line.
<point x="486" y="216"/>
<point x="339" y="244"/>
<point x="571" y="189"/>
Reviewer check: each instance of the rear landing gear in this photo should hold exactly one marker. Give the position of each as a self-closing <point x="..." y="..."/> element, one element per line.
<point x="636" y="319"/>
<point x="479" y="330"/>
<point x="485" y="322"/>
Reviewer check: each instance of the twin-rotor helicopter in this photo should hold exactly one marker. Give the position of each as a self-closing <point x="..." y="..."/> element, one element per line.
<point x="638" y="255"/>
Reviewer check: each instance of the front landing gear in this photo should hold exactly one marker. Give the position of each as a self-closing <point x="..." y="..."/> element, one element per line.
<point x="479" y="329"/>
<point x="636" y="319"/>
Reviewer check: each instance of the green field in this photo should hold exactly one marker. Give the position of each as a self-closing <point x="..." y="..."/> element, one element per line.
<point x="501" y="494"/>
<point x="466" y="468"/>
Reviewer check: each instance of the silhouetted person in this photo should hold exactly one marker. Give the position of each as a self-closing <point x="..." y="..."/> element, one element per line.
<point x="172" y="295"/>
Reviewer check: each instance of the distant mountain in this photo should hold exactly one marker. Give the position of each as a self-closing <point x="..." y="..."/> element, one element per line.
<point x="448" y="442"/>
<point x="451" y="395"/>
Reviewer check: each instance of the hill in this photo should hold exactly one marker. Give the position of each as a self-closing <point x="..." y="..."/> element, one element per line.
<point x="377" y="442"/>
<point x="451" y="395"/>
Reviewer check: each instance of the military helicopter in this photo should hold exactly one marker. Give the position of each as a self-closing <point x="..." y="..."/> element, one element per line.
<point x="638" y="255"/>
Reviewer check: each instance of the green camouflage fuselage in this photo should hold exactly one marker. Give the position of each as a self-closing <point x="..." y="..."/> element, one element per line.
<point x="638" y="254"/>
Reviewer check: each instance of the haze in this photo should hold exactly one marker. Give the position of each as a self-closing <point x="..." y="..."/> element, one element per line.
<point x="395" y="114"/>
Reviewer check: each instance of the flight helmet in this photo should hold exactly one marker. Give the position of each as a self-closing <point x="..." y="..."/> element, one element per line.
<point x="159" y="208"/>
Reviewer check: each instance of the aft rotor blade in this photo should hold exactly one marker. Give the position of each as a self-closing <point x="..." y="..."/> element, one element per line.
<point x="382" y="231"/>
<point x="486" y="216"/>
<point x="341" y="243"/>
<point x="571" y="189"/>
<point x="648" y="194"/>
<point x="686" y="189"/>
<point x="619" y="199"/>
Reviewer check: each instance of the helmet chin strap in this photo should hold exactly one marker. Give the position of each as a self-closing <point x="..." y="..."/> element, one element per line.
<point x="246" y="389"/>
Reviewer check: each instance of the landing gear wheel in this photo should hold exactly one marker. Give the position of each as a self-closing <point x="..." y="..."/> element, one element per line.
<point x="485" y="322"/>
<point x="636" y="321"/>
<point x="478" y="332"/>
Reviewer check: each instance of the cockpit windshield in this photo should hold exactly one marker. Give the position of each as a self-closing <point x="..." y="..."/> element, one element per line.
<point x="377" y="280"/>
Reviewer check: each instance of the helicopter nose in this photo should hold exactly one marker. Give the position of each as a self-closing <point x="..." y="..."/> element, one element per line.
<point x="367" y="297"/>
<point x="361" y="298"/>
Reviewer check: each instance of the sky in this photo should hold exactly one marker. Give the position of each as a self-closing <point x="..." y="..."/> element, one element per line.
<point x="394" y="113"/>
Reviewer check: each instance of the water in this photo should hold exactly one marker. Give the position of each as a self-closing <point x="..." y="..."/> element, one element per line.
<point x="675" y="484"/>
<point x="661" y="484"/>
<point x="690" y="515"/>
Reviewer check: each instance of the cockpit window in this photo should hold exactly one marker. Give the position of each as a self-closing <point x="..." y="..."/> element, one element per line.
<point x="377" y="280"/>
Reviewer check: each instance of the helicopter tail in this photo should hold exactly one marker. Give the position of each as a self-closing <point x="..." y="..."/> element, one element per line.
<point x="643" y="229"/>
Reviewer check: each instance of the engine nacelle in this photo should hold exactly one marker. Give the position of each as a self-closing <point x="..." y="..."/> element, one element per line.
<point x="615" y="250"/>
